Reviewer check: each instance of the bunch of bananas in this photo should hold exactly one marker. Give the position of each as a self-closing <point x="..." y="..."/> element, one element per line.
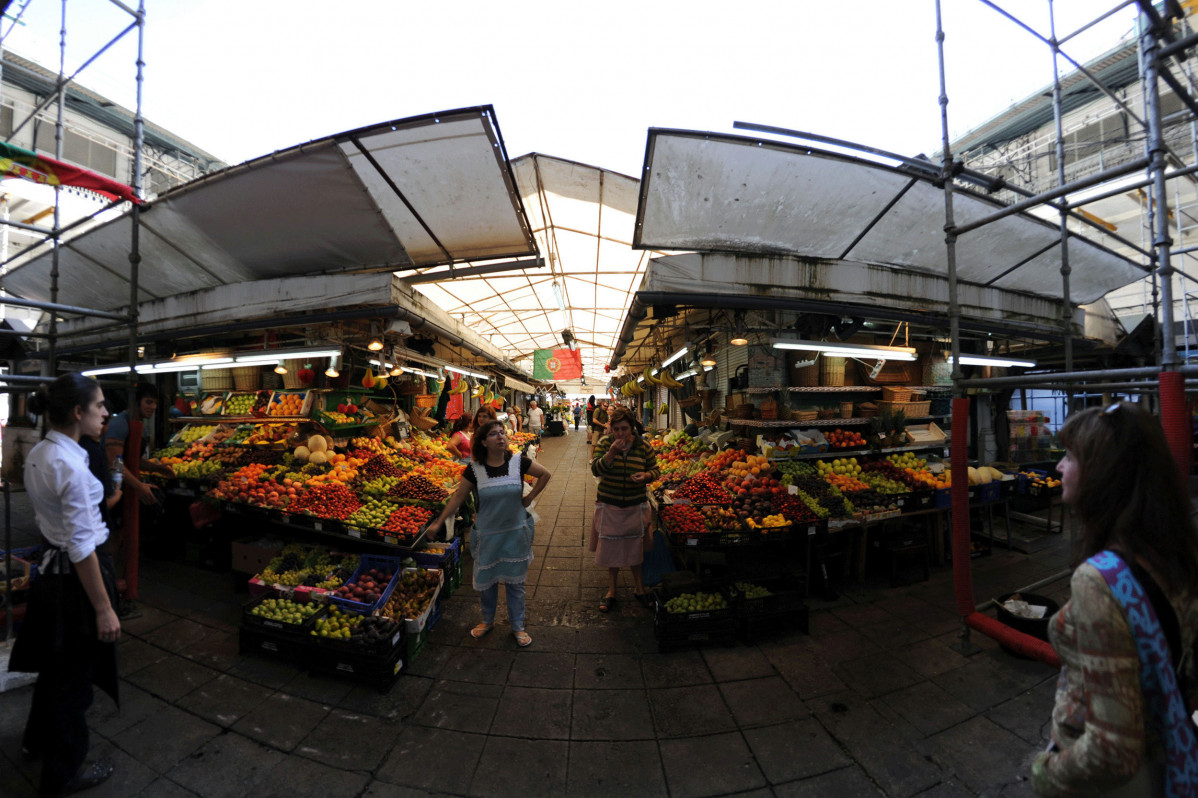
<point x="461" y="387"/>
<point x="478" y="391"/>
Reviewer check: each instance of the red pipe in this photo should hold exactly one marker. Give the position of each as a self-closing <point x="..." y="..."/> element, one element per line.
<point x="959" y="452"/>
<point x="1013" y="639"/>
<point x="1175" y="419"/>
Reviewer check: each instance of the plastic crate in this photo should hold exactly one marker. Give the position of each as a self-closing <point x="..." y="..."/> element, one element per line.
<point x="674" y="624"/>
<point x="943" y="498"/>
<point x="373" y="670"/>
<point x="920" y="499"/>
<point x="786" y="594"/>
<point x="259" y="623"/>
<point x="376" y="648"/>
<point x="439" y="555"/>
<point x="368" y="562"/>
<point x="267" y="642"/>
<point x="990" y="492"/>
<point x="417" y="625"/>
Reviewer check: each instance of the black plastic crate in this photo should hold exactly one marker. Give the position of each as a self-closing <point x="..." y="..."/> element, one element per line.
<point x="269" y="643"/>
<point x="259" y="623"/>
<point x="664" y="618"/>
<point x="387" y="644"/>
<point x="752" y="628"/>
<point x="720" y="631"/>
<point x="373" y="670"/>
<point x="786" y="594"/>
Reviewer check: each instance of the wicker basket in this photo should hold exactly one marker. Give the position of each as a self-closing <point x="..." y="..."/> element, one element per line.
<point x="804" y="415"/>
<point x="891" y="393"/>
<point x="831" y="371"/>
<point x="846" y="409"/>
<point x="291" y="380"/>
<point x="867" y="410"/>
<point x="247" y="378"/>
<point x="270" y="380"/>
<point x="689" y="401"/>
<point x="910" y="409"/>
<point x="806" y="377"/>
<point x="212" y="380"/>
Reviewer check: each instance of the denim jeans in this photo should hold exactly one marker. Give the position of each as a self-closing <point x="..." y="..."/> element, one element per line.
<point x="489" y="599"/>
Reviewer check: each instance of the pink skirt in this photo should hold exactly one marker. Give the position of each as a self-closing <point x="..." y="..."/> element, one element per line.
<point x="618" y="534"/>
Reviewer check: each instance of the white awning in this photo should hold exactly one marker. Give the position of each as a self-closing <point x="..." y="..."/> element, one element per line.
<point x="411" y="193"/>
<point x="522" y="387"/>
<point x="758" y="197"/>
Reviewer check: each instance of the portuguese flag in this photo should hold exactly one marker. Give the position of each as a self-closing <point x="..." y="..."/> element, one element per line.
<point x="557" y="364"/>
<point x="17" y="162"/>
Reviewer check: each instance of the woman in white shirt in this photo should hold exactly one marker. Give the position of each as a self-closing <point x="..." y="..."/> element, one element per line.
<point x="71" y="627"/>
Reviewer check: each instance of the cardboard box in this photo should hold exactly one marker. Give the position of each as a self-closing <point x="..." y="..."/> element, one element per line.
<point x="252" y="555"/>
<point x="926" y="434"/>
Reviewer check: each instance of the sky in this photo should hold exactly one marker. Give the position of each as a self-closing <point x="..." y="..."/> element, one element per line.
<point x="580" y="81"/>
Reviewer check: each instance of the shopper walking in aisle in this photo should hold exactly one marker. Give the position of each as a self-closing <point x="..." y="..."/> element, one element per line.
<point x="621" y="529"/>
<point x="577" y="415"/>
<point x="71" y="627"/>
<point x="599" y="421"/>
<point x="590" y="417"/>
<point x="1127" y="634"/>
<point x="502" y="535"/>
<point x="536" y="418"/>
<point x="459" y="439"/>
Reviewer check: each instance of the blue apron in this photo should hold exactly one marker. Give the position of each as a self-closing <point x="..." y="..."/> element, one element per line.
<point x="502" y="535"/>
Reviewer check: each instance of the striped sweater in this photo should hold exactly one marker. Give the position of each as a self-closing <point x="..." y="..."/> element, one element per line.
<point x="615" y="486"/>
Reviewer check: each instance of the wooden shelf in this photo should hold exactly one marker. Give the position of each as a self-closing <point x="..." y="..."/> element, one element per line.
<point x="236" y="419"/>
<point x="815" y="389"/>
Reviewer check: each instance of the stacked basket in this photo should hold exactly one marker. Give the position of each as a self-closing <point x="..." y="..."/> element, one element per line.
<point x="214" y="380"/>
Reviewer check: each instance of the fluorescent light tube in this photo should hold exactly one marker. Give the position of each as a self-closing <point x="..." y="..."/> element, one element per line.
<point x="475" y="374"/>
<point x="1002" y="362"/>
<point x="687" y="374"/>
<point x="676" y="355"/>
<point x="108" y="370"/>
<point x="849" y="350"/>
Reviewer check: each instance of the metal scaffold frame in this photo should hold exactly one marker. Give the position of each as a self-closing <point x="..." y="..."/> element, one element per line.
<point x="11" y="383"/>
<point x="1157" y="45"/>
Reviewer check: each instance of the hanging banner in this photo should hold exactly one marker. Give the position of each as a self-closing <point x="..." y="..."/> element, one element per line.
<point x="557" y="364"/>
<point x="455" y="408"/>
<point x="18" y="162"/>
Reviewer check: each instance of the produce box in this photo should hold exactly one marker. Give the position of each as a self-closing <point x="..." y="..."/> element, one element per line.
<point x="990" y="492"/>
<point x="373" y="670"/>
<point x="384" y="638"/>
<point x="418" y="624"/>
<point x="784" y="593"/>
<point x="926" y="434"/>
<point x="943" y="498"/>
<point x="920" y="499"/>
<point x="368" y="563"/>
<point x="251" y="620"/>
<point x="267" y="642"/>
<point x="290" y="403"/>
<point x="246" y="403"/>
<point x="252" y="555"/>
<point x="698" y="627"/>
<point x="213" y="404"/>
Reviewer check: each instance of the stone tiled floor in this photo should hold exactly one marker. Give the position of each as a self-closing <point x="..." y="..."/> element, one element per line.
<point x="873" y="701"/>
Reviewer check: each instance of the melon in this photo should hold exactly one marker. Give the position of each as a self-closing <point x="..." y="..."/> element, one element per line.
<point x="319" y="458"/>
<point x="317" y="443"/>
<point x="302" y="453"/>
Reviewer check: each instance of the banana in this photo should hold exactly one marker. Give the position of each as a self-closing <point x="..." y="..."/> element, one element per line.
<point x="461" y="388"/>
<point x="478" y="392"/>
<point x="665" y="408"/>
<point x="667" y="379"/>
<point x="650" y="380"/>
<point x="488" y="397"/>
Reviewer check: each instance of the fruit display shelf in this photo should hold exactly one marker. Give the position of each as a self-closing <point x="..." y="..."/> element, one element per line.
<point x="814" y="389"/>
<point x="860" y="450"/>
<point x="328" y="527"/>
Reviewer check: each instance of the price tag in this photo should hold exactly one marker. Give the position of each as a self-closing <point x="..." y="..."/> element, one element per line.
<point x="793" y="490"/>
<point x="182" y="492"/>
<point x="810" y="531"/>
<point x="354" y="533"/>
<point x="692" y="541"/>
<point x="318" y="526"/>
<point x="285" y="518"/>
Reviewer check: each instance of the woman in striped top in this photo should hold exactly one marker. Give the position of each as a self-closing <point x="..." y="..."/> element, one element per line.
<point x="622" y="527"/>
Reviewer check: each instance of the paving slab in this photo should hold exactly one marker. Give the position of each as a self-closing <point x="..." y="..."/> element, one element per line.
<point x="105" y="718"/>
<point x="418" y="760"/>
<point x="615" y="769"/>
<point x="224" y="700"/>
<point x="397" y="704"/>
<point x="689" y="711"/>
<point x="133" y="654"/>
<point x="717" y="764"/>
<point x="480" y="666"/>
<point x="282" y="720"/>
<point x="850" y="782"/>
<point x="928" y="707"/>
<point x="808" y="675"/>
<point x="129" y="777"/>
<point x="541" y="669"/>
<point x="460" y="706"/>
<point x="303" y="778"/>
<point x="177" y="636"/>
<point x="163" y="787"/>
<point x="611" y="715"/>
<point x="985" y="683"/>
<point x="172" y="678"/>
<point x="534" y="713"/>
<point x="350" y="740"/>
<point x="165" y="738"/>
<point x="983" y="755"/>
<point x="1024" y="714"/>
<point x="739" y="662"/>
<point x="512" y="767"/>
<point x="762" y="702"/>
<point x="932" y="657"/>
<point x="876" y="674"/>
<point x="797" y="749"/>
<point x="675" y="669"/>
<point x="607" y="672"/>
<point x="226" y="766"/>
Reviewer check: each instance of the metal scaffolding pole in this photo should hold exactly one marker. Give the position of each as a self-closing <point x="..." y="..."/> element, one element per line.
<point x="1066" y="304"/>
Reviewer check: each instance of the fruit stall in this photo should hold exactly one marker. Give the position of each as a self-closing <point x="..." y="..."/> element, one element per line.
<point x="817" y="494"/>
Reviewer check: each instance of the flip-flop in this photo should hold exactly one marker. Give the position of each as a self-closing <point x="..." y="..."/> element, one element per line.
<point x="606" y="603"/>
<point x="480" y="630"/>
<point x="522" y="639"/>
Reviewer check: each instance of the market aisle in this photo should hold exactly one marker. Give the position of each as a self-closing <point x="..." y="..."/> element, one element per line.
<point x="872" y="702"/>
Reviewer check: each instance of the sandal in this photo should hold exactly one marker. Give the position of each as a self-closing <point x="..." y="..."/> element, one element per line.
<point x="480" y="630"/>
<point x="644" y="598"/>
<point x="522" y="639"/>
<point x="606" y="603"/>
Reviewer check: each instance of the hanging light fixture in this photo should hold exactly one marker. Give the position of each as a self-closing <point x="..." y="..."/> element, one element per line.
<point x="708" y="358"/>
<point x="376" y="340"/>
<point x="331" y="371"/>
<point x="738" y="331"/>
<point x="280" y="368"/>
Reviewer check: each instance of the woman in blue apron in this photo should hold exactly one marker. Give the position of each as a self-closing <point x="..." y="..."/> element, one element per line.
<point x="71" y="627"/>
<point x="502" y="535"/>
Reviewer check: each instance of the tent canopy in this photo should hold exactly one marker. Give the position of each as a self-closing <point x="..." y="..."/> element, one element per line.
<point x="391" y="196"/>
<point x="758" y="197"/>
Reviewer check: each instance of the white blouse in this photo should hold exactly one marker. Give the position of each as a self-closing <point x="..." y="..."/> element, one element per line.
<point x="65" y="496"/>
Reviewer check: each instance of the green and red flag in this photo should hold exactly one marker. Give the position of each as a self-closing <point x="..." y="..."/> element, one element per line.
<point x="18" y="162"/>
<point x="557" y="364"/>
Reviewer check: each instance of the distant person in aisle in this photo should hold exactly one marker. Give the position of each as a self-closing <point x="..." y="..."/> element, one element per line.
<point x="622" y="528"/>
<point x="1126" y="637"/>
<point x="503" y="532"/>
<point x="598" y="424"/>
<point x="590" y="416"/>
<point x="97" y="463"/>
<point x="536" y="418"/>
<point x="459" y="438"/>
<point x="146" y="397"/>
<point x="577" y="415"/>
<point x="69" y="634"/>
